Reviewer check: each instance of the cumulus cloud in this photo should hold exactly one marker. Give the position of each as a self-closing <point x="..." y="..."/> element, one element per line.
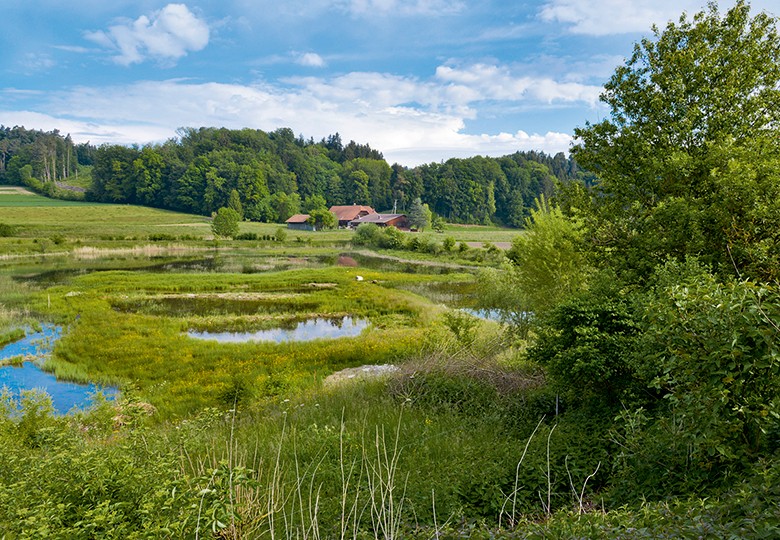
<point x="412" y="121"/>
<point x="166" y="35"/>
<point x="491" y="82"/>
<point x="607" y="17"/>
<point x="310" y="59"/>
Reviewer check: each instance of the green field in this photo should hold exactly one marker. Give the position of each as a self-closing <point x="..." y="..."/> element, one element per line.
<point x="461" y="436"/>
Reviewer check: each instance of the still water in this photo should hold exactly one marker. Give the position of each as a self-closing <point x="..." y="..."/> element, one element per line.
<point x="308" y="330"/>
<point x="65" y="395"/>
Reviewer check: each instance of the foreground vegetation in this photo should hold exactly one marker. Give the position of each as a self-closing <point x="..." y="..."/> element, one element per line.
<point x="630" y="390"/>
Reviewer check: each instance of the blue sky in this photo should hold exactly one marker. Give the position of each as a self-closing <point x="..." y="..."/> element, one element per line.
<point x="419" y="80"/>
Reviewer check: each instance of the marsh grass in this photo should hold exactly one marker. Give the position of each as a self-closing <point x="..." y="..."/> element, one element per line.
<point x="129" y="329"/>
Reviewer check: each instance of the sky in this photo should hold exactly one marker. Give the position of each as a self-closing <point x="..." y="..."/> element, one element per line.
<point x="419" y="80"/>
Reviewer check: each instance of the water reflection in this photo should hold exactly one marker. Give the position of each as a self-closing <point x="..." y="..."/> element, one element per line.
<point x="28" y="376"/>
<point x="308" y="330"/>
<point x="486" y="314"/>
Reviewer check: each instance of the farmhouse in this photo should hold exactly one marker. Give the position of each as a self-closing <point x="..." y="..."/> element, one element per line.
<point x="399" y="221"/>
<point x="299" y="222"/>
<point x="346" y="214"/>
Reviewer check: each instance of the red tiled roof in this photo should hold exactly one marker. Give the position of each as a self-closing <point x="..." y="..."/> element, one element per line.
<point x="348" y="213"/>
<point x="298" y="218"/>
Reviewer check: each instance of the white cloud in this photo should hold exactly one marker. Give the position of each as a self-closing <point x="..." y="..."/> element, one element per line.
<point x="311" y="59"/>
<point x="607" y="17"/>
<point x="166" y="35"/>
<point x="410" y="120"/>
<point x="403" y="7"/>
<point x="492" y="82"/>
<point x="36" y="62"/>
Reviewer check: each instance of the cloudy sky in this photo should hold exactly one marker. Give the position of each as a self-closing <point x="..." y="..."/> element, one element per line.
<point x="419" y="80"/>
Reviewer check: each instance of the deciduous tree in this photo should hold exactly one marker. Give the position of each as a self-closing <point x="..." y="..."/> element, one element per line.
<point x="693" y="124"/>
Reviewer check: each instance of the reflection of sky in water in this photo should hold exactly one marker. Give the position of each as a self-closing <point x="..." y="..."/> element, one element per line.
<point x="487" y="314"/>
<point x="304" y="331"/>
<point x="64" y="395"/>
<point x="495" y="314"/>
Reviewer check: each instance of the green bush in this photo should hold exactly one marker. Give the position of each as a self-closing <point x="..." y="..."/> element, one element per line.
<point x="367" y="234"/>
<point x="6" y="230"/>
<point x="587" y="345"/>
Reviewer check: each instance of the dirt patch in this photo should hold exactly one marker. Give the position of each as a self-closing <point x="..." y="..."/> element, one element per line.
<point x="345" y="260"/>
<point x="361" y="373"/>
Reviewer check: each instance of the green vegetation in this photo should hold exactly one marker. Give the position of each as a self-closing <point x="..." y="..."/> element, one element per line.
<point x="224" y="223"/>
<point x="630" y="391"/>
<point x="271" y="176"/>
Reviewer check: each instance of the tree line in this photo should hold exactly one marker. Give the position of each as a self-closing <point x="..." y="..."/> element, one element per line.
<point x="277" y="174"/>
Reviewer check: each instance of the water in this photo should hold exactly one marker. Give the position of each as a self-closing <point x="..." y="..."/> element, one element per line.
<point x="308" y="330"/>
<point x="487" y="314"/>
<point x="65" y="396"/>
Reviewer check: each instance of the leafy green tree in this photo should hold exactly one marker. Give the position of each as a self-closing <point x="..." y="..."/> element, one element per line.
<point x="356" y="188"/>
<point x="225" y="222"/>
<point x="315" y="202"/>
<point x="322" y="218"/>
<point x="148" y="170"/>
<point x="234" y="202"/>
<point x="283" y="206"/>
<point x="419" y="215"/>
<point x="548" y="258"/>
<point x="691" y="146"/>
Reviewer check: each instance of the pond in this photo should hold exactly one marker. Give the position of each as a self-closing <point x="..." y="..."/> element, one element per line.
<point x="45" y="272"/>
<point x="307" y="330"/>
<point x="486" y="314"/>
<point x="28" y="376"/>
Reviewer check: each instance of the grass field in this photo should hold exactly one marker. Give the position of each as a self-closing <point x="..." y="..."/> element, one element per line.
<point x="41" y="224"/>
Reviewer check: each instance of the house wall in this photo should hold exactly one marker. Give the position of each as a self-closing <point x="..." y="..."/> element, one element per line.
<point x="300" y="226"/>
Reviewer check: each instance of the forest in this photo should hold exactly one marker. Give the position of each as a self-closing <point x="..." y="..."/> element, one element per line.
<point x="277" y="175"/>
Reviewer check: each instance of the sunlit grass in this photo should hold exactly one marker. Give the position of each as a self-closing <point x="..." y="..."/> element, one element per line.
<point x="119" y="331"/>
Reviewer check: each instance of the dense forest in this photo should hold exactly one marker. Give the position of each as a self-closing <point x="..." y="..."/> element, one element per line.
<point x="277" y="174"/>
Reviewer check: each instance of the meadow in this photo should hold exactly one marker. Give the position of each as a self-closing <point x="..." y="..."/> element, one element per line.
<point x="461" y="436"/>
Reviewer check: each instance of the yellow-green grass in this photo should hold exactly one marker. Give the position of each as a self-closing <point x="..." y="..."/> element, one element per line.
<point x="479" y="233"/>
<point x="152" y="357"/>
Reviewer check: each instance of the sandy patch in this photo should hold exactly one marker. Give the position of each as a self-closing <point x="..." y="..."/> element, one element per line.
<point x="16" y="190"/>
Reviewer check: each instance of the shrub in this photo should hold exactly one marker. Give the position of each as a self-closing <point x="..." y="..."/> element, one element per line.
<point x="367" y="234"/>
<point x="225" y="223"/>
<point x="587" y="345"/>
<point x="162" y="237"/>
<point x="6" y="230"/>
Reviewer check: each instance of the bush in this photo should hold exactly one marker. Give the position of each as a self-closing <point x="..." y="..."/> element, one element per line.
<point x="225" y="223"/>
<point x="6" y="230"/>
<point x="162" y="237"/>
<point x="587" y="345"/>
<point x="367" y="234"/>
<point x="391" y="238"/>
